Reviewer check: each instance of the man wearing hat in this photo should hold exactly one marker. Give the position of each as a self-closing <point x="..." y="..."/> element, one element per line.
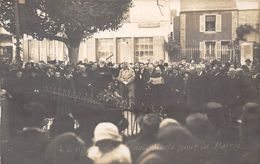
<point x="149" y="124"/>
<point x="249" y="133"/>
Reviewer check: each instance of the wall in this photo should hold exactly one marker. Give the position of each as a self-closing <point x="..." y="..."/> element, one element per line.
<point x="192" y="31"/>
<point x="250" y="17"/>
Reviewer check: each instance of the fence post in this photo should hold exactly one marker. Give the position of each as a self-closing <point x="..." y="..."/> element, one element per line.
<point x="4" y="120"/>
<point x="4" y="115"/>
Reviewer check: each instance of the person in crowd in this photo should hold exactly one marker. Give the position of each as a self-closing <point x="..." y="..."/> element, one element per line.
<point x="174" y="85"/>
<point x="249" y="129"/>
<point x="62" y="124"/>
<point x="248" y="64"/>
<point x="247" y="86"/>
<point x="14" y="84"/>
<point x="66" y="148"/>
<point x="169" y="148"/>
<point x="198" y="83"/>
<point x="27" y="146"/>
<point x="217" y="83"/>
<point x="157" y="87"/>
<point x="107" y="146"/>
<point x="82" y="81"/>
<point x="169" y="122"/>
<point x="219" y="117"/>
<point x="102" y="76"/>
<point x="149" y="128"/>
<point x="201" y="128"/>
<point x="161" y="65"/>
<point x="126" y="78"/>
<point x="142" y="76"/>
<point x="67" y="78"/>
<point x="249" y="133"/>
<point x="48" y="77"/>
<point x="180" y="88"/>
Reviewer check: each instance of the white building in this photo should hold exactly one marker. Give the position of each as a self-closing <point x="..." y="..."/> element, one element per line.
<point x="141" y="38"/>
<point x="6" y="44"/>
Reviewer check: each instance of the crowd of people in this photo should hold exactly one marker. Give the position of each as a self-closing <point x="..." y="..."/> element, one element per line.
<point x="221" y="124"/>
<point x="201" y="139"/>
<point x="140" y="84"/>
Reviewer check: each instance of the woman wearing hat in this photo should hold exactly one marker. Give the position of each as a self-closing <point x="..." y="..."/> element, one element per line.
<point x="108" y="147"/>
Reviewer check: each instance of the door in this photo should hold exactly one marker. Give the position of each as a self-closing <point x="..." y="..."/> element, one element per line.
<point x="225" y="52"/>
<point x="124" y="50"/>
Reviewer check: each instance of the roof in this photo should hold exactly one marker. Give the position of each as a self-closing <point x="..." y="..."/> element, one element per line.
<point x="207" y="5"/>
<point x="247" y="4"/>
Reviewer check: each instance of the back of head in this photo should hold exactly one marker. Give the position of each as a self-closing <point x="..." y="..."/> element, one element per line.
<point x="35" y="113"/>
<point x="150" y="124"/>
<point x="216" y="114"/>
<point x="65" y="148"/>
<point x="62" y="124"/>
<point x="174" y="135"/>
<point x="28" y="146"/>
<point x="251" y="107"/>
<point x="169" y="122"/>
<point x="198" y="124"/>
<point x="251" y="119"/>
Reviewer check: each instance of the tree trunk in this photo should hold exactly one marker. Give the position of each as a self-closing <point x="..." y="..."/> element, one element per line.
<point x="73" y="49"/>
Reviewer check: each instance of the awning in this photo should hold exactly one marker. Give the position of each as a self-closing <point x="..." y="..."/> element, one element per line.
<point x="5" y="36"/>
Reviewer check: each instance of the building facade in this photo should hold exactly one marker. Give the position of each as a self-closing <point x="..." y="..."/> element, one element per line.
<point x="209" y="26"/>
<point x="141" y="38"/>
<point x="6" y="45"/>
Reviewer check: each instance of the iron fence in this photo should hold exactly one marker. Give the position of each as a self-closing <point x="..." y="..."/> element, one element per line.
<point x="223" y="54"/>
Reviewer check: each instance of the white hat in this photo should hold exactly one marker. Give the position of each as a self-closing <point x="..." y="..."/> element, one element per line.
<point x="168" y="122"/>
<point x="106" y="131"/>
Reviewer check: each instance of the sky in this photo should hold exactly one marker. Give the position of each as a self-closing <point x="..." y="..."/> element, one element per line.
<point x="175" y="4"/>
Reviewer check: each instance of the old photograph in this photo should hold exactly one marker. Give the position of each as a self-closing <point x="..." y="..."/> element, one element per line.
<point x="129" y="81"/>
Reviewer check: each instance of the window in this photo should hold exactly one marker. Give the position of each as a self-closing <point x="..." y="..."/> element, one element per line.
<point x="105" y="48"/>
<point x="210" y="49"/>
<point x="210" y="22"/>
<point x="51" y="50"/>
<point x="143" y="49"/>
<point x="6" y="53"/>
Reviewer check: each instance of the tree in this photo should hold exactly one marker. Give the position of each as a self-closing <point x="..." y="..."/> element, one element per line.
<point x="173" y="48"/>
<point x="243" y="30"/>
<point x="68" y="21"/>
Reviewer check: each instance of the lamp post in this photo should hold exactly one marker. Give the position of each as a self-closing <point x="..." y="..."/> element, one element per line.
<point x="17" y="29"/>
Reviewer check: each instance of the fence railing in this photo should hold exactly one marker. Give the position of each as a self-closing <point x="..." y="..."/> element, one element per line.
<point x="58" y="93"/>
<point x="223" y="54"/>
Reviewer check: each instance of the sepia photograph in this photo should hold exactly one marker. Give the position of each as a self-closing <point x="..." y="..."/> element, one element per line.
<point x="129" y="81"/>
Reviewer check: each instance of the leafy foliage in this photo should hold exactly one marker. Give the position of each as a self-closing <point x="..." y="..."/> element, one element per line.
<point x="242" y="30"/>
<point x="172" y="46"/>
<point x="68" y="21"/>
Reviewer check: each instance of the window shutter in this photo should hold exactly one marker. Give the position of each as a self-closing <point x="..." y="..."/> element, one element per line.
<point x="218" y="50"/>
<point x="202" y="50"/>
<point x="202" y="23"/>
<point x="218" y="23"/>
